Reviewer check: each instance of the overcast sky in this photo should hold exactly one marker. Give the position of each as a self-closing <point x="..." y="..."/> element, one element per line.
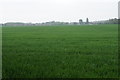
<point x="57" y="10"/>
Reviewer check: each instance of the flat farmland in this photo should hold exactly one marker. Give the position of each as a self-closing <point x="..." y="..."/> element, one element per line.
<point x="78" y="51"/>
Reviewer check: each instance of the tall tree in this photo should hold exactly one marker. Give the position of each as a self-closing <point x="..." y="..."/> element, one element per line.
<point x="87" y="20"/>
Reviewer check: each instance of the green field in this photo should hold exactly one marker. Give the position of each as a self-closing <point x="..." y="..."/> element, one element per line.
<point x="88" y="51"/>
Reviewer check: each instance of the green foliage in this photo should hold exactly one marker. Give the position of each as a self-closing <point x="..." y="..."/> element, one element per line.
<point x="88" y="51"/>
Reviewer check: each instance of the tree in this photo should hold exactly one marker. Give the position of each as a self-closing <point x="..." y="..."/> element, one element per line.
<point x="87" y="20"/>
<point x="80" y="21"/>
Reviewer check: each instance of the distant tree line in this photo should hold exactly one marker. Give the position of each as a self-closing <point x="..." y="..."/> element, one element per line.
<point x="110" y="21"/>
<point x="80" y="22"/>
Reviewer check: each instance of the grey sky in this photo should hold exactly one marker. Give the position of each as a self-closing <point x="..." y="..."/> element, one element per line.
<point x="57" y="10"/>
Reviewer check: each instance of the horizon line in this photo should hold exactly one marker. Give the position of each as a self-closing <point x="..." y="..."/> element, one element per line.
<point x="54" y="21"/>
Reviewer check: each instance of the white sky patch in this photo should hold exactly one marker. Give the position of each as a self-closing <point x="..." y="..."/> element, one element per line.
<point x="57" y="10"/>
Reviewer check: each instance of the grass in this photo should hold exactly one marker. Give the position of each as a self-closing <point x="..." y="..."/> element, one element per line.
<point x="60" y="51"/>
<point x="0" y="52"/>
